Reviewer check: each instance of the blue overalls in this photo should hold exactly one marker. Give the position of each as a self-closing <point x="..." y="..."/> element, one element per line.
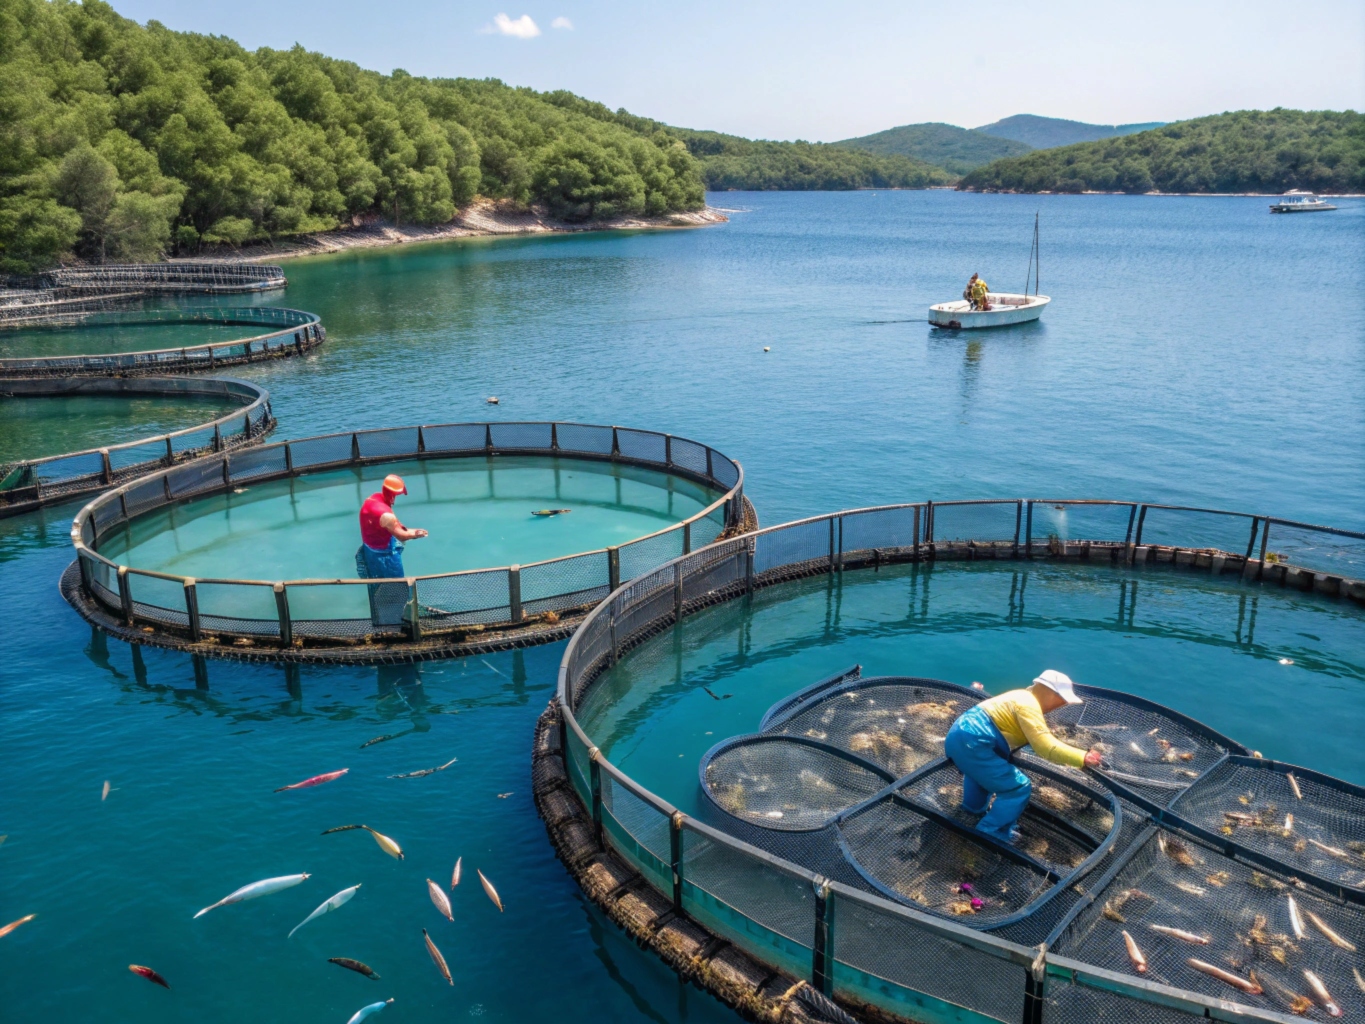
<point x="981" y="753"/>
<point x="388" y="601"/>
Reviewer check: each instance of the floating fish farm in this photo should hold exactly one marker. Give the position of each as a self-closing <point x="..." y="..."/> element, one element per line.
<point x="830" y="870"/>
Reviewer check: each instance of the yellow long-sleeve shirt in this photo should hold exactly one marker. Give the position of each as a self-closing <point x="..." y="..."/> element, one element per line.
<point x="1019" y="717"/>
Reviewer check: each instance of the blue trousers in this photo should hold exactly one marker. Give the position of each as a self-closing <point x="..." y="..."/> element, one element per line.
<point x="387" y="600"/>
<point x="980" y="752"/>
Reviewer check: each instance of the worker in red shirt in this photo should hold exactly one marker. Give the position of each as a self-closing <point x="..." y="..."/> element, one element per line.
<point x="380" y="556"/>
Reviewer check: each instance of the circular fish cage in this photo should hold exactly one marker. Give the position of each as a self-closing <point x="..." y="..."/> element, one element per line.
<point x="286" y="514"/>
<point x="27" y="484"/>
<point x="274" y="333"/>
<point x="1184" y="875"/>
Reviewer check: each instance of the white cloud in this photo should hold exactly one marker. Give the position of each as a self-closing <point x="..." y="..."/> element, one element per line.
<point x="518" y="28"/>
<point x="562" y="22"/>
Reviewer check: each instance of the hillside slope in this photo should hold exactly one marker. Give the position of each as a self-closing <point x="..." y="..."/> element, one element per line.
<point x="1246" y="151"/>
<point x="1048" y="132"/>
<point x="123" y="141"/>
<point x="956" y="150"/>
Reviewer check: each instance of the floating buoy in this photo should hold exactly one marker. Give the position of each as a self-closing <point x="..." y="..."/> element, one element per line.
<point x="767" y="348"/>
<point x="492" y="399"/>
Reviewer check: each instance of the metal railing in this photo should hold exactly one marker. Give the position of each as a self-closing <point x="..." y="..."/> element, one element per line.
<point x="293" y="332"/>
<point x="29" y="483"/>
<point x="848" y="942"/>
<point x="289" y="612"/>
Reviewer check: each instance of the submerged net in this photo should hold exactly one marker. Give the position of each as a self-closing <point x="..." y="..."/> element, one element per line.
<point x="1239" y="920"/>
<point x="1317" y="829"/>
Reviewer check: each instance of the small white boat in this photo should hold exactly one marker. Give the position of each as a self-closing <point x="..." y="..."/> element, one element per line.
<point x="1003" y="308"/>
<point x="1299" y="201"/>
<point x="1006" y="309"/>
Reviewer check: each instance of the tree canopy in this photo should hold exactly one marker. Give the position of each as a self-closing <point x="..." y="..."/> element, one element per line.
<point x="956" y="150"/>
<point x="121" y="141"/>
<point x="1267" y="151"/>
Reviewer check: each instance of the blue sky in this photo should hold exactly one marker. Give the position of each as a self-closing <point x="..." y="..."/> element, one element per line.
<point x="830" y="71"/>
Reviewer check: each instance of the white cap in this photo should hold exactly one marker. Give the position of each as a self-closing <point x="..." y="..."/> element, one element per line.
<point x="1060" y="684"/>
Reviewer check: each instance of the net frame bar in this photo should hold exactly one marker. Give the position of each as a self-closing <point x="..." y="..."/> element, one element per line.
<point x="215" y="474"/>
<point x="633" y="613"/>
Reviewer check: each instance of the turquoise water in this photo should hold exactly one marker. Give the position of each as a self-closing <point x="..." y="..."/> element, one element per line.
<point x="31" y="428"/>
<point x="478" y="513"/>
<point x="1187" y="356"/>
<point x="102" y="339"/>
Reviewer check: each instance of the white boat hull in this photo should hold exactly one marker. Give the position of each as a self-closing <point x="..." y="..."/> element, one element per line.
<point x="1006" y="309"/>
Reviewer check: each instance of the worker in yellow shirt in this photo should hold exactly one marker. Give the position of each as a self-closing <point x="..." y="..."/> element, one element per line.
<point x="984" y="737"/>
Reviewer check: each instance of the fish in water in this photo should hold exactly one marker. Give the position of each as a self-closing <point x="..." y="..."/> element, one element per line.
<point x="1332" y="937"/>
<point x="1297" y="1004"/>
<point x="717" y="696"/>
<point x="330" y="904"/>
<point x="1331" y="851"/>
<point x="149" y="974"/>
<point x="385" y="843"/>
<point x="1176" y="850"/>
<point x="439" y="898"/>
<point x="455" y="875"/>
<point x="1251" y="988"/>
<point x="255" y="890"/>
<point x="1294" y="785"/>
<point x="354" y="965"/>
<point x="316" y="780"/>
<point x="381" y="739"/>
<point x="437" y="958"/>
<point x="365" y="1011"/>
<point x="1177" y="933"/>
<point x="1296" y="921"/>
<point x="1360" y="978"/>
<point x="1132" y="745"/>
<point x="425" y="771"/>
<point x="104" y="794"/>
<point x="488" y="888"/>
<point x="1193" y="890"/>
<point x="1288" y="823"/>
<point x="15" y="924"/>
<point x="1135" y="954"/>
<point x="551" y="511"/>
<point x="504" y="796"/>
<point x="1321" y="994"/>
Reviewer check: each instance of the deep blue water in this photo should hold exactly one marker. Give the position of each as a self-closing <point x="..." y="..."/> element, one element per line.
<point x="1196" y="351"/>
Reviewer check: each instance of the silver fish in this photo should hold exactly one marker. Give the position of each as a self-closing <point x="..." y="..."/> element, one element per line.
<point x="425" y="771"/>
<point x="365" y="1011"/>
<point x="330" y="904"/>
<point x="1331" y="851"/>
<point x="1183" y="936"/>
<point x="1321" y="994"/>
<point x="1294" y="785"/>
<point x="439" y="898"/>
<point x="1295" y="921"/>
<point x="437" y="958"/>
<point x="256" y="889"/>
<point x="488" y="888"/>
<point x="104" y="793"/>
<point x="1332" y="936"/>
<point x="455" y="875"/>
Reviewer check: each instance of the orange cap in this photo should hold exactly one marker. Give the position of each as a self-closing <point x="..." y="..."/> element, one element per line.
<point x="393" y="483"/>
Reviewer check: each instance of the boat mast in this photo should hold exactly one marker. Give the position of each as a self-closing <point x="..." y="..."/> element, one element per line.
<point x="1035" y="264"/>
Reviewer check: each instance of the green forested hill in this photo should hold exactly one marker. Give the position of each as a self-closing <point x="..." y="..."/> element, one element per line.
<point x="956" y="150"/>
<point x="1247" y="151"/>
<point x="121" y="141"/>
<point x="1048" y="132"/>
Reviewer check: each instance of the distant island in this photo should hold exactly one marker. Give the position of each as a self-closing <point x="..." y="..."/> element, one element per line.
<point x="1049" y="132"/>
<point x="1259" y="151"/>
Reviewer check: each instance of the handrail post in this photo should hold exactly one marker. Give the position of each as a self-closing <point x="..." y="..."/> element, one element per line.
<point x="749" y="565"/>
<point x="677" y="592"/>
<point x="282" y="609"/>
<point x="615" y="443"/>
<point x="192" y="609"/>
<point x="355" y="447"/>
<point x="288" y="458"/>
<point x="687" y="537"/>
<point x="227" y="470"/>
<point x="840" y="552"/>
<point x="170" y="451"/>
<point x="414" y="610"/>
<point x="554" y="436"/>
<point x="1018" y="518"/>
<point x="613" y="569"/>
<point x="830" y="521"/>
<point x="1142" y="519"/>
<point x="1128" y="536"/>
<point x="246" y="426"/>
<point x="1251" y="544"/>
<point x="1265" y="541"/>
<point x="1028" y="532"/>
<point x="125" y="594"/>
<point x="675" y="856"/>
<point x="710" y="474"/>
<point x="513" y="592"/>
<point x="668" y="450"/>
<point x="488" y="438"/>
<point x="917" y="511"/>
<point x="106" y="467"/>
<point x="595" y="783"/>
<point x="421" y="442"/>
<point x="929" y="528"/>
<point x="217" y="437"/>
<point x="822" y="966"/>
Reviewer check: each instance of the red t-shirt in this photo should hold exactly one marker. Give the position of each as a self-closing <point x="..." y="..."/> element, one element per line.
<point x="375" y="536"/>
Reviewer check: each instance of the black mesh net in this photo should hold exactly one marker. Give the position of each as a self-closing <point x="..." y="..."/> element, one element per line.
<point x="785" y="784"/>
<point x="1180" y="901"/>
<point x="1310" y="824"/>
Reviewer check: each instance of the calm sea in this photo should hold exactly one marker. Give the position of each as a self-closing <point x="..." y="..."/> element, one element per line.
<point x="1196" y="351"/>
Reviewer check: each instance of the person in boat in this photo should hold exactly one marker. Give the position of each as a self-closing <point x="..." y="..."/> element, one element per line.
<point x="978" y="291"/>
<point x="380" y="556"/>
<point x="984" y="738"/>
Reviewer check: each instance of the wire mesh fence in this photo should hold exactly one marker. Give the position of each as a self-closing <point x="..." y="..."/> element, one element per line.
<point x="351" y="610"/>
<point x="30" y="483"/>
<point x="899" y="949"/>
<point x="289" y="332"/>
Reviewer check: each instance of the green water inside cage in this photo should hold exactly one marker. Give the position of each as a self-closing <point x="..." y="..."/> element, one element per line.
<point x="31" y="428"/>
<point x="1211" y="648"/>
<point x="109" y="338"/>
<point x="478" y="511"/>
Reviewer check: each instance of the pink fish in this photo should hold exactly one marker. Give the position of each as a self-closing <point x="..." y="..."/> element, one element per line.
<point x="149" y="974"/>
<point x="316" y="780"/>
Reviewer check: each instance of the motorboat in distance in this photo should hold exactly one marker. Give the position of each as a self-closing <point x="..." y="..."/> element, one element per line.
<point x="1002" y="308"/>
<point x="1006" y="308"/>
<point x="1299" y="201"/>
